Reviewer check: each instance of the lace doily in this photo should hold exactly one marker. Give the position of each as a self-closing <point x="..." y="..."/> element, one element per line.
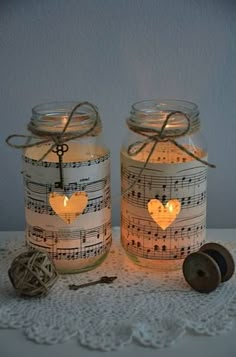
<point x="152" y="308"/>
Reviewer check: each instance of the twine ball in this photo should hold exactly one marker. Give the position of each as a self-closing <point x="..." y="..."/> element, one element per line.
<point x="32" y="273"/>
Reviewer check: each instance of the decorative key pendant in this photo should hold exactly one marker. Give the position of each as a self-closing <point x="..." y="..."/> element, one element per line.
<point x="102" y="280"/>
<point x="67" y="191"/>
<point x="60" y="149"/>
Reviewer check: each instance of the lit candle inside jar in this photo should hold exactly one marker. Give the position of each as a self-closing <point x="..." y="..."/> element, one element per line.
<point x="163" y="208"/>
<point x="67" y="187"/>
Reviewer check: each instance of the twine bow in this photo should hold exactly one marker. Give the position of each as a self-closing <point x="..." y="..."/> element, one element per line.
<point x="154" y="135"/>
<point x="58" y="138"/>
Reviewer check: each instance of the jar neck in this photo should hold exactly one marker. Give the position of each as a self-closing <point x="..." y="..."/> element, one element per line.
<point x="179" y="118"/>
<point x="51" y="119"/>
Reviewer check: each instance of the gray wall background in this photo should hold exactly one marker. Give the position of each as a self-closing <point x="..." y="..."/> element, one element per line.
<point x="114" y="53"/>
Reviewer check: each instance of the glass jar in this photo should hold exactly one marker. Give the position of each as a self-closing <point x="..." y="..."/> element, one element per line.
<point x="67" y="186"/>
<point x="163" y="208"/>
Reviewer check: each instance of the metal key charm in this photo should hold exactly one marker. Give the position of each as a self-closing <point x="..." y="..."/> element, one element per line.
<point x="60" y="149"/>
<point x="102" y="280"/>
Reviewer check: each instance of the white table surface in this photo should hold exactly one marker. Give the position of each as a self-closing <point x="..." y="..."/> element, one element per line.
<point x="14" y="344"/>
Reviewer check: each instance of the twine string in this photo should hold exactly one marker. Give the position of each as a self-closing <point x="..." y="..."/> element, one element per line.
<point x="32" y="273"/>
<point x="57" y="138"/>
<point x="158" y="136"/>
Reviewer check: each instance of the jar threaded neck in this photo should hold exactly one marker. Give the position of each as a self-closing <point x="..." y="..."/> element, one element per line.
<point x="52" y="117"/>
<point x="151" y="114"/>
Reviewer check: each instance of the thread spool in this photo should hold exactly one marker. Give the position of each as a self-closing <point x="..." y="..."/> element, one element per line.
<point x="206" y="269"/>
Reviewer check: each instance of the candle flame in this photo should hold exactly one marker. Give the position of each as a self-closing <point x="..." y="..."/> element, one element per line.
<point x="170" y="207"/>
<point x="64" y="120"/>
<point x="164" y="214"/>
<point x="65" y="201"/>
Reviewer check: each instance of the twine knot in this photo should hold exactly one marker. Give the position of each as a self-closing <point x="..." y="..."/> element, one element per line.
<point x="155" y="135"/>
<point x="56" y="137"/>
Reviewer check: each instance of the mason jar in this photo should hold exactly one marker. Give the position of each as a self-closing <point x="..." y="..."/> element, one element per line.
<point x="164" y="183"/>
<point x="66" y="174"/>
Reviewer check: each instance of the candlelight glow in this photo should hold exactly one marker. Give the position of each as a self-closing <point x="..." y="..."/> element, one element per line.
<point x="164" y="215"/>
<point x="169" y="206"/>
<point x="66" y="208"/>
<point x="66" y="199"/>
<point x="64" y="120"/>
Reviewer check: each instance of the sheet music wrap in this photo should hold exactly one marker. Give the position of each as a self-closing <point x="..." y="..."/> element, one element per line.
<point x="170" y="174"/>
<point x="86" y="240"/>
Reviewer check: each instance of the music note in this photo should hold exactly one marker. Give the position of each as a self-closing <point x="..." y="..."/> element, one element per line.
<point x="187" y="184"/>
<point x="67" y="244"/>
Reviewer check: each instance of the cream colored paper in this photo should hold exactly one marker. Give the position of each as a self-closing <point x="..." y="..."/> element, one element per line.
<point x="81" y="241"/>
<point x="70" y="208"/>
<point x="164" y="214"/>
<point x="170" y="175"/>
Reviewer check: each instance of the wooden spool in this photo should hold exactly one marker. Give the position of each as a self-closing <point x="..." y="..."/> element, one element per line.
<point x="206" y="269"/>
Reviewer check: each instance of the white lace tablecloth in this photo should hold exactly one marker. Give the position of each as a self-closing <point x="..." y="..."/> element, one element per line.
<point x="144" y="306"/>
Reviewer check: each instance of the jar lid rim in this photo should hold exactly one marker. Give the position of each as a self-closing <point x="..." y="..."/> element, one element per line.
<point x="62" y="106"/>
<point x="157" y="105"/>
<point x="51" y="118"/>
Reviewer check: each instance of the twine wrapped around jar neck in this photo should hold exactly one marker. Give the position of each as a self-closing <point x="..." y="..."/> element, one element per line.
<point x="58" y="138"/>
<point x="153" y="135"/>
<point x="178" y="123"/>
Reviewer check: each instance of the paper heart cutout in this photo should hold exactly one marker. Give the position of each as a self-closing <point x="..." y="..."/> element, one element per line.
<point x="164" y="215"/>
<point x="66" y="208"/>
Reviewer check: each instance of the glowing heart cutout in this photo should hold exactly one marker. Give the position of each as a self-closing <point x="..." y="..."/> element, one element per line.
<point x="68" y="209"/>
<point x="166" y="214"/>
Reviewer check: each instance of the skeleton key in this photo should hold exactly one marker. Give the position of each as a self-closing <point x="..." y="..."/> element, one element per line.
<point x="102" y="280"/>
<point x="60" y="149"/>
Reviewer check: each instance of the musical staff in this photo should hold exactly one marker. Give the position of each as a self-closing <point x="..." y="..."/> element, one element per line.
<point x="147" y="229"/>
<point x="41" y="207"/>
<point x="136" y="199"/>
<point x="72" y="242"/>
<point x="162" y="252"/>
<point x="158" y="181"/>
<point x="45" y="189"/>
<point x="91" y="251"/>
<point x="39" y="234"/>
<point x="65" y="165"/>
<point x="184" y="181"/>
